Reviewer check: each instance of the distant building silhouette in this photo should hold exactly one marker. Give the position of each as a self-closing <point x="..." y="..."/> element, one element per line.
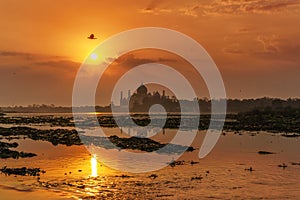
<point x="142" y="100"/>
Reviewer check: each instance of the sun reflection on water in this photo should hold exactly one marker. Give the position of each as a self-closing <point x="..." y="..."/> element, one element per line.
<point x="94" y="170"/>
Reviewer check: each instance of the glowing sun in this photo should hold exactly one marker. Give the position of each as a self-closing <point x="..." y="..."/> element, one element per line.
<point x="94" y="56"/>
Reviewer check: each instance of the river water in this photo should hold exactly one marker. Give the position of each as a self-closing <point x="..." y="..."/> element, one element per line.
<point x="73" y="173"/>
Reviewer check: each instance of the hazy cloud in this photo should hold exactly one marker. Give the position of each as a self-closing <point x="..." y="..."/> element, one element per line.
<point x="249" y="6"/>
<point x="32" y="78"/>
<point x="234" y="49"/>
<point x="28" y="56"/>
<point x="269" y="48"/>
<point x="224" y="7"/>
<point x="130" y="60"/>
<point x="156" y="7"/>
<point x="253" y="44"/>
<point x="269" y="43"/>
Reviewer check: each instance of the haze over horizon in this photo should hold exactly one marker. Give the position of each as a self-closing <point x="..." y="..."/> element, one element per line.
<point x="255" y="45"/>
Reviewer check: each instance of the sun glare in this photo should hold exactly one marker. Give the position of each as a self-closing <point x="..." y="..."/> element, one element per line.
<point x="94" y="170"/>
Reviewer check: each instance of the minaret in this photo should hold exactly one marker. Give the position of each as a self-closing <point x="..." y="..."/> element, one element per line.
<point x="129" y="95"/>
<point x="121" y="98"/>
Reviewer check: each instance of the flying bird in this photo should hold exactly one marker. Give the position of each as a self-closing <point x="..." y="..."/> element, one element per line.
<point x="92" y="37"/>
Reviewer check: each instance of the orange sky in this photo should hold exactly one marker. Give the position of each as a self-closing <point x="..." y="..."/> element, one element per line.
<point x="255" y="43"/>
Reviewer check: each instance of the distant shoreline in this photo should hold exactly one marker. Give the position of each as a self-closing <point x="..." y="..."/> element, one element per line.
<point x="233" y="106"/>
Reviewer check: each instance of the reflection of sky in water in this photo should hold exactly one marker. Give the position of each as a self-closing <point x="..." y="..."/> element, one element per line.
<point x="226" y="164"/>
<point x="141" y="131"/>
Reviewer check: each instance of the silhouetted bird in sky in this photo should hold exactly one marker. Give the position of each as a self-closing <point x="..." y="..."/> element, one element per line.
<point x="92" y="37"/>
